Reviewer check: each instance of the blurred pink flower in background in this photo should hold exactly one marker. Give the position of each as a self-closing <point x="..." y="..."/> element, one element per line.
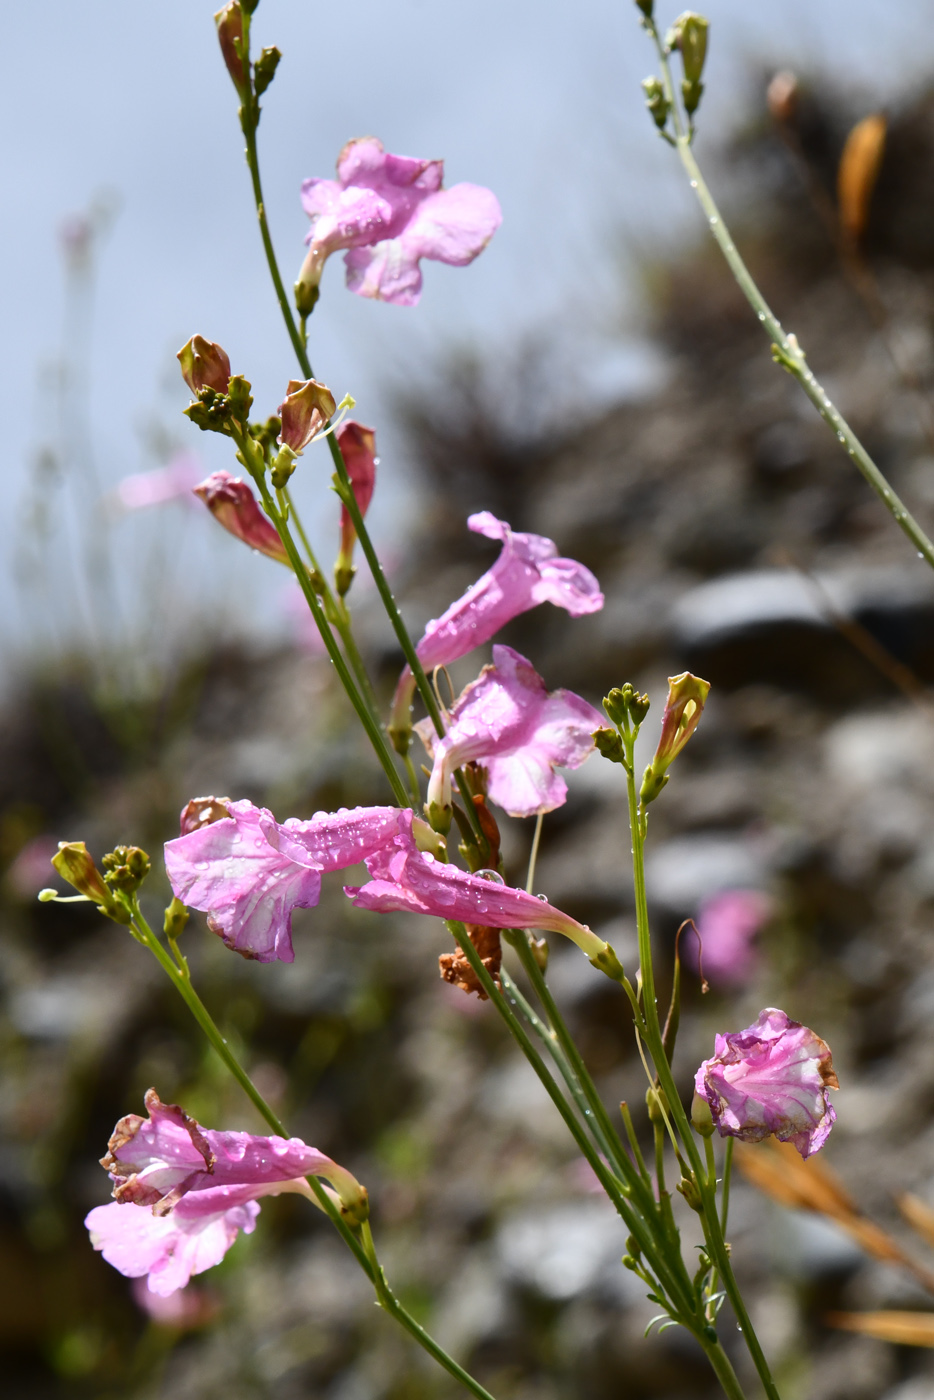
<point x="175" y="481"/>
<point x="388" y="212"/>
<point x="727" y="925"/>
<point x="773" y="1077"/>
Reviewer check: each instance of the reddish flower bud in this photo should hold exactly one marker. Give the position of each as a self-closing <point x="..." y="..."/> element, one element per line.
<point x="229" y="23"/>
<point x="204" y="365"/>
<point x="358" y="447"/>
<point x="232" y="503"/>
<point x="304" y="411"/>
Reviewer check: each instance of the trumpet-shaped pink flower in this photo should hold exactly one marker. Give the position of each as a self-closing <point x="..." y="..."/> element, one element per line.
<point x="233" y="504"/>
<point x="408" y="880"/>
<point x="248" y="872"/>
<point x="202" y="1187"/>
<point x="772" y="1077"/>
<point x="358" y="448"/>
<point x="527" y="572"/>
<point x="507" y="721"/>
<point x="388" y="212"/>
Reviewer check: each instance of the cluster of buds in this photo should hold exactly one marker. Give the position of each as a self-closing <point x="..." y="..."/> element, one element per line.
<point x="219" y="396"/>
<point x="125" y="868"/>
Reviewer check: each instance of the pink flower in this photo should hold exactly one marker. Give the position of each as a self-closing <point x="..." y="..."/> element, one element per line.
<point x="389" y="212"/>
<point x="772" y="1077"/>
<point x="727" y="924"/>
<point x="527" y="572"/>
<point x="202" y="1188"/>
<point x="408" y="880"/>
<point x="358" y="448"/>
<point x="305" y="410"/>
<point x="507" y="721"/>
<point x="177" y="479"/>
<point x="233" y="504"/>
<point x="248" y="871"/>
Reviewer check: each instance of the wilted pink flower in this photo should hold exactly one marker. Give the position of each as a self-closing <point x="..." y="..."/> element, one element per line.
<point x="388" y="212"/>
<point x="304" y="411"/>
<point x="527" y="572"/>
<point x="202" y="1188"/>
<point x="177" y="478"/>
<point x="412" y="881"/>
<point x="358" y="448"/>
<point x="507" y="722"/>
<point x="232" y="503"/>
<point x="248" y="871"/>
<point x="772" y="1077"/>
<point x="727" y="924"/>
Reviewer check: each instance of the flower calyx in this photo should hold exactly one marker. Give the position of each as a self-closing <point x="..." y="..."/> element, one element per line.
<point x="689" y="35"/>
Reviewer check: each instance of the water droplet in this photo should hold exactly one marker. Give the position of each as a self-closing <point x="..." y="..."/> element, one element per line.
<point x="693" y="184"/>
<point x="542" y="897"/>
<point x="493" y="876"/>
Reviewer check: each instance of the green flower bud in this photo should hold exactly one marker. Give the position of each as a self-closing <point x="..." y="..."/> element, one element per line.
<point x="701" y="1116"/>
<point x="74" y="863"/>
<point x="609" y="744"/>
<point x="689" y="1191"/>
<point x="690" y="31"/>
<point x="126" y="868"/>
<point x="264" y="70"/>
<point x="656" y="101"/>
<point x="176" y="917"/>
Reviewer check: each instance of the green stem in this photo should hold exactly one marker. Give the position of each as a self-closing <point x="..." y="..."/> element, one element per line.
<point x="256" y="467"/>
<point x="667" y="1263"/>
<point x="786" y="349"/>
<point x="727" y="1173"/>
<point x="252" y="160"/>
<point x="723" y="1369"/>
<point x="713" y="1234"/>
<point x="336" y="613"/>
<point x="390" y="1304"/>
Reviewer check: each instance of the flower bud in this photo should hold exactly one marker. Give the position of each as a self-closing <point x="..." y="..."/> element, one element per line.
<point x="625" y="704"/>
<point x="656" y="101"/>
<point x="646" y="6"/>
<point x="689" y="1191"/>
<point x="264" y="70"/>
<point x="304" y="411"/>
<point x="73" y="862"/>
<point x="233" y="504"/>
<point x="701" y="1116"/>
<point x="689" y="32"/>
<point x="176" y="917"/>
<point x="204" y="365"/>
<point x="309" y="280"/>
<point x="358" y="448"/>
<point x="609" y="744"/>
<point x="229" y="23"/>
<point x="687" y="696"/>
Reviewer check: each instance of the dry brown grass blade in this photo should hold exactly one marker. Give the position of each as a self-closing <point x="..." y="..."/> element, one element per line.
<point x="778" y="1171"/>
<point x="857" y="174"/>
<point x="911" y="1329"/>
<point x="919" y="1215"/>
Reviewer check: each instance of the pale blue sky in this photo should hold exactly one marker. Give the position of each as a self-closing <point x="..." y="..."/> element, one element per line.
<point x="540" y="101"/>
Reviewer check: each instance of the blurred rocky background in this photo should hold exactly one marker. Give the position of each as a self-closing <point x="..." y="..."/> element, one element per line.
<point x="733" y="537"/>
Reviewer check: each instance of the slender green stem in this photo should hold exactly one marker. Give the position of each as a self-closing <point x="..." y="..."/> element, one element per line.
<point x="713" y="1234"/>
<point x="254" y="464"/>
<point x="390" y="1303"/>
<point x="723" y="1368"/>
<point x="786" y="349"/>
<point x="667" y="1263"/>
<point x="533" y="855"/>
<point x="725" y="1195"/>
<point x="336" y="612"/>
<point x="711" y="1164"/>
<point x="634" y="1141"/>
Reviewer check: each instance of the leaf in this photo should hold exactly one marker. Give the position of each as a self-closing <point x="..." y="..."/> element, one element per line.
<point x="911" y="1329"/>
